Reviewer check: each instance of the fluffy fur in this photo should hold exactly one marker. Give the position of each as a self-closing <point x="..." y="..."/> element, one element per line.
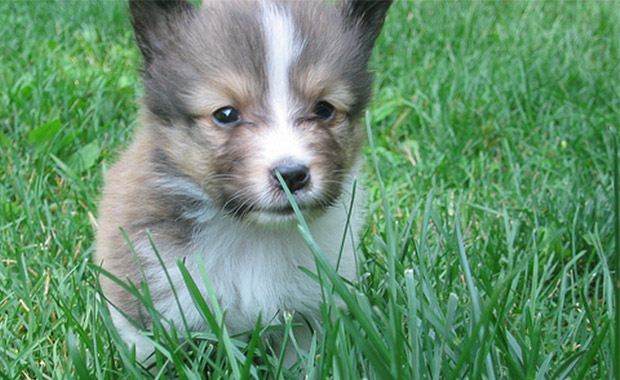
<point x="233" y="92"/>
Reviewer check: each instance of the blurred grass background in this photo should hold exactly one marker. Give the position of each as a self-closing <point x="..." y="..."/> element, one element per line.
<point x="494" y="124"/>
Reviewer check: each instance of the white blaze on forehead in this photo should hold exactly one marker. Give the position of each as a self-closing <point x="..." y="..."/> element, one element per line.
<point x="282" y="48"/>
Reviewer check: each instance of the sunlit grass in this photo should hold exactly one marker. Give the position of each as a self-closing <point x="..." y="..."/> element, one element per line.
<point x="488" y="251"/>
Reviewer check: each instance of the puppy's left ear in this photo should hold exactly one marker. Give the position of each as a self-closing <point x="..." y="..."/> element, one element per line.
<point x="155" y="24"/>
<point x="367" y="16"/>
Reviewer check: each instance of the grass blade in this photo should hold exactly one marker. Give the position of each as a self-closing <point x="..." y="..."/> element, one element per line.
<point x="79" y="364"/>
<point x="616" y="288"/>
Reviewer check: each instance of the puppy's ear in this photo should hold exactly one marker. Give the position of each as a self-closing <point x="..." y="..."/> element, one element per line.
<point x="155" y="23"/>
<point x="368" y="16"/>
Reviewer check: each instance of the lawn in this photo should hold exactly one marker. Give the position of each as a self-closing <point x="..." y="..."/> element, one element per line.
<point x="490" y="245"/>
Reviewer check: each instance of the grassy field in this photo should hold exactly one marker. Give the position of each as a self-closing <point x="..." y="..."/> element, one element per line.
<point x="490" y="242"/>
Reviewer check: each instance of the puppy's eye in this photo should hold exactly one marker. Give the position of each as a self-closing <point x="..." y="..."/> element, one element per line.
<point x="226" y="116"/>
<point x="324" y="111"/>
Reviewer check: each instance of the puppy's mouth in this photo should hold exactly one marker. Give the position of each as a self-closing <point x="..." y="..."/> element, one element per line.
<point x="278" y="215"/>
<point x="279" y="210"/>
<point x="276" y="210"/>
<point x="286" y="211"/>
<point x="281" y="216"/>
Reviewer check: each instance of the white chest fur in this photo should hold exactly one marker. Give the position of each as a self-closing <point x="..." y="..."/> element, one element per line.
<point x="255" y="270"/>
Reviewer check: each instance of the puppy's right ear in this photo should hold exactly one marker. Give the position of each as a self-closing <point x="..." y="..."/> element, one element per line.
<point x="155" y="23"/>
<point x="368" y="16"/>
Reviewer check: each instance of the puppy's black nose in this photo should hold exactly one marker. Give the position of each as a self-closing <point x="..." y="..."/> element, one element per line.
<point x="296" y="176"/>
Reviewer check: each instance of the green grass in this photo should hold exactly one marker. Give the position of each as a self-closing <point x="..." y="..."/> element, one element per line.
<point x="490" y="241"/>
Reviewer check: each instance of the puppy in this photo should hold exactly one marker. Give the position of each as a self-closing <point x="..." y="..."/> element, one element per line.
<point x="236" y="92"/>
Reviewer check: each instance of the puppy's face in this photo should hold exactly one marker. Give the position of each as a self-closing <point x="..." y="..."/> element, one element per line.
<point x="241" y="90"/>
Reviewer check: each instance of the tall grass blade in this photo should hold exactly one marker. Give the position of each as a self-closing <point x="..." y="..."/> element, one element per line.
<point x="224" y="338"/>
<point x="412" y="320"/>
<point x="616" y="288"/>
<point x="372" y="343"/>
<point x="593" y="350"/>
<point x="392" y="254"/>
<point x="79" y="364"/>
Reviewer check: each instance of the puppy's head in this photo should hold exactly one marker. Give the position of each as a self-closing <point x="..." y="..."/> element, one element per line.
<point x="241" y="89"/>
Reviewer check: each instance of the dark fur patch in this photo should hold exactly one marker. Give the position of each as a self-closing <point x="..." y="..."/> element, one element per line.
<point x="188" y="49"/>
